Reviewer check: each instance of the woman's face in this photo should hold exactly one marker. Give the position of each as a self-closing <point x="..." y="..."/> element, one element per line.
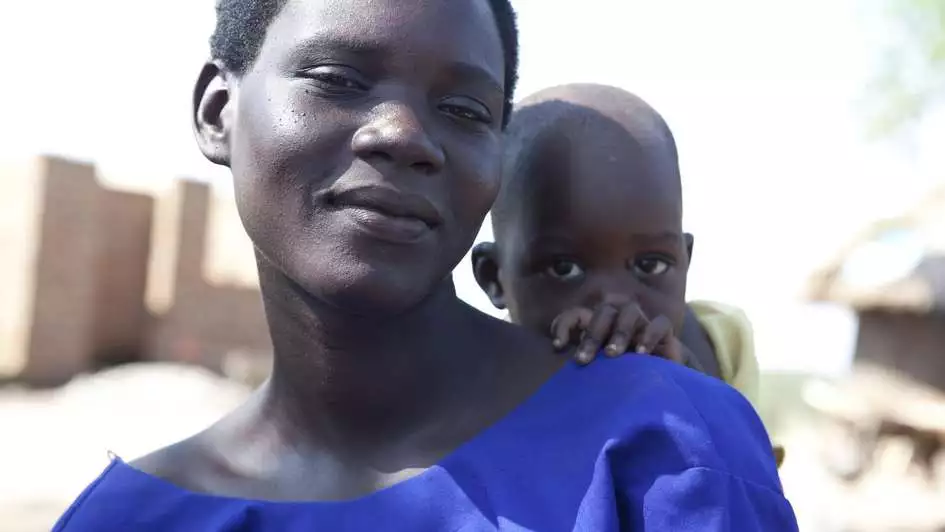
<point x="364" y="143"/>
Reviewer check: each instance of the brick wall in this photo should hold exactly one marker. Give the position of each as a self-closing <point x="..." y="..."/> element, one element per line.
<point x="121" y="269"/>
<point x="64" y="307"/>
<point x="208" y="320"/>
<point x="20" y="223"/>
<point x="96" y="275"/>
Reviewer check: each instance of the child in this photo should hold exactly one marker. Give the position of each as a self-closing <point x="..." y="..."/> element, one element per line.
<point x="364" y="139"/>
<point x="589" y="241"/>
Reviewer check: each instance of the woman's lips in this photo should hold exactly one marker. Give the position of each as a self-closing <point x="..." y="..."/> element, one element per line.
<point x="387" y="214"/>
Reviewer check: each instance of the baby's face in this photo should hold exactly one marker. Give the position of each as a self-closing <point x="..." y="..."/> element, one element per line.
<point x="603" y="223"/>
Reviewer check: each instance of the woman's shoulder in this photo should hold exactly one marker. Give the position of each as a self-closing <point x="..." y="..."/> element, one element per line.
<point x="165" y="479"/>
<point x="709" y="423"/>
<point x="632" y="378"/>
<point x="177" y="464"/>
<point x="151" y="494"/>
<point x="680" y="435"/>
<point x="119" y="499"/>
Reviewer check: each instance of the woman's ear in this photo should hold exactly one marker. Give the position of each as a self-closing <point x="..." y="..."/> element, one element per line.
<point x="485" y="265"/>
<point x="689" y="242"/>
<point x="213" y="102"/>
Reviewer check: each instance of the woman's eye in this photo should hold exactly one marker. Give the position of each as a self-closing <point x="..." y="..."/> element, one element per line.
<point x="651" y="267"/>
<point x="335" y="80"/>
<point x="565" y="270"/>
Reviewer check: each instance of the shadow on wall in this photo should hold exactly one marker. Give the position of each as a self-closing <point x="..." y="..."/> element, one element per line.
<point x="78" y="261"/>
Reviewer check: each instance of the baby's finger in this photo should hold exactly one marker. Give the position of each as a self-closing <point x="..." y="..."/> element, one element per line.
<point x="628" y="322"/>
<point x="596" y="333"/>
<point x="687" y="357"/>
<point x="672" y="349"/>
<point x="656" y="334"/>
<point x="568" y="325"/>
<point x="778" y="455"/>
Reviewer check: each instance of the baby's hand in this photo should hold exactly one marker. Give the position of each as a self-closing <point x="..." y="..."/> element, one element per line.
<point x="617" y="329"/>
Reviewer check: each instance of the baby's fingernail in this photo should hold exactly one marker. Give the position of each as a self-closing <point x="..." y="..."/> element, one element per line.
<point x="585" y="356"/>
<point x="613" y="350"/>
<point x="556" y="343"/>
<point x="641" y="349"/>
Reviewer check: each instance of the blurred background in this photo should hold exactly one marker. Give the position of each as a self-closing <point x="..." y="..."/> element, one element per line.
<point x="810" y="137"/>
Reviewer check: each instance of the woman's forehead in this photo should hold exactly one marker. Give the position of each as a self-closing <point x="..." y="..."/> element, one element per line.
<point x="455" y="31"/>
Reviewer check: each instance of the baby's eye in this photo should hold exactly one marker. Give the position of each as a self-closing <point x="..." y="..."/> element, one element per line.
<point x="565" y="270"/>
<point x="651" y="266"/>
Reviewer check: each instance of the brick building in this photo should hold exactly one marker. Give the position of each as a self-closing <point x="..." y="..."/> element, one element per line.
<point x="97" y="275"/>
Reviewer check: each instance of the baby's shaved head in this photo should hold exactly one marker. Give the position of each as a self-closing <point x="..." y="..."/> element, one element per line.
<point x="557" y="121"/>
<point x="619" y="105"/>
<point x="590" y="209"/>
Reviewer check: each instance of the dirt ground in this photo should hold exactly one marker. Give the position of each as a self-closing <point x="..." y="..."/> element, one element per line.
<point x="892" y="496"/>
<point x="55" y="442"/>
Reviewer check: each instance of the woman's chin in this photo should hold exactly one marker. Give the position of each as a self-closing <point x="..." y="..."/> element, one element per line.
<point x="370" y="292"/>
<point x="356" y="283"/>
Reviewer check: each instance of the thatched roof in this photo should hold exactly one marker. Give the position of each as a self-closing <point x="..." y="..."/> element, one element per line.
<point x="896" y="264"/>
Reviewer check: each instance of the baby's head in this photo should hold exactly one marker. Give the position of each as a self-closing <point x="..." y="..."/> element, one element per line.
<point x="590" y="209"/>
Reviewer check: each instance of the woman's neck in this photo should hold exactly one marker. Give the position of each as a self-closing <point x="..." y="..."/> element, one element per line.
<point x="349" y="381"/>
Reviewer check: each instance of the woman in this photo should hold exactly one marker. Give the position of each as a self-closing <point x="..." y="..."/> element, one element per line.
<point x="364" y="139"/>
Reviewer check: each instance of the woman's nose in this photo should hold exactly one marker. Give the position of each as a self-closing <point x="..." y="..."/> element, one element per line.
<point x="396" y="134"/>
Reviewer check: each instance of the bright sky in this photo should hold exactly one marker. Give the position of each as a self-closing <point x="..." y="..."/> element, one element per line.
<point x="765" y="99"/>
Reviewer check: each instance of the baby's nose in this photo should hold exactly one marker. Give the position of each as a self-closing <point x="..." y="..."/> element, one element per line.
<point x="616" y="299"/>
<point x="618" y="290"/>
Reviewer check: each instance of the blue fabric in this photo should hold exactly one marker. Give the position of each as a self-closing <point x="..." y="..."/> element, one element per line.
<point x="628" y="444"/>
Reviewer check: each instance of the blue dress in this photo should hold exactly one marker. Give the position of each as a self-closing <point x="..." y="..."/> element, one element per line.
<point x="628" y="444"/>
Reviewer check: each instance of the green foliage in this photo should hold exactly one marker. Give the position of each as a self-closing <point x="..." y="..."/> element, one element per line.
<point x="912" y="76"/>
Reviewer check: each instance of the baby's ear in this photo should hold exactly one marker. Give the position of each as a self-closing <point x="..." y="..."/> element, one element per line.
<point x="485" y="263"/>
<point x="689" y="242"/>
